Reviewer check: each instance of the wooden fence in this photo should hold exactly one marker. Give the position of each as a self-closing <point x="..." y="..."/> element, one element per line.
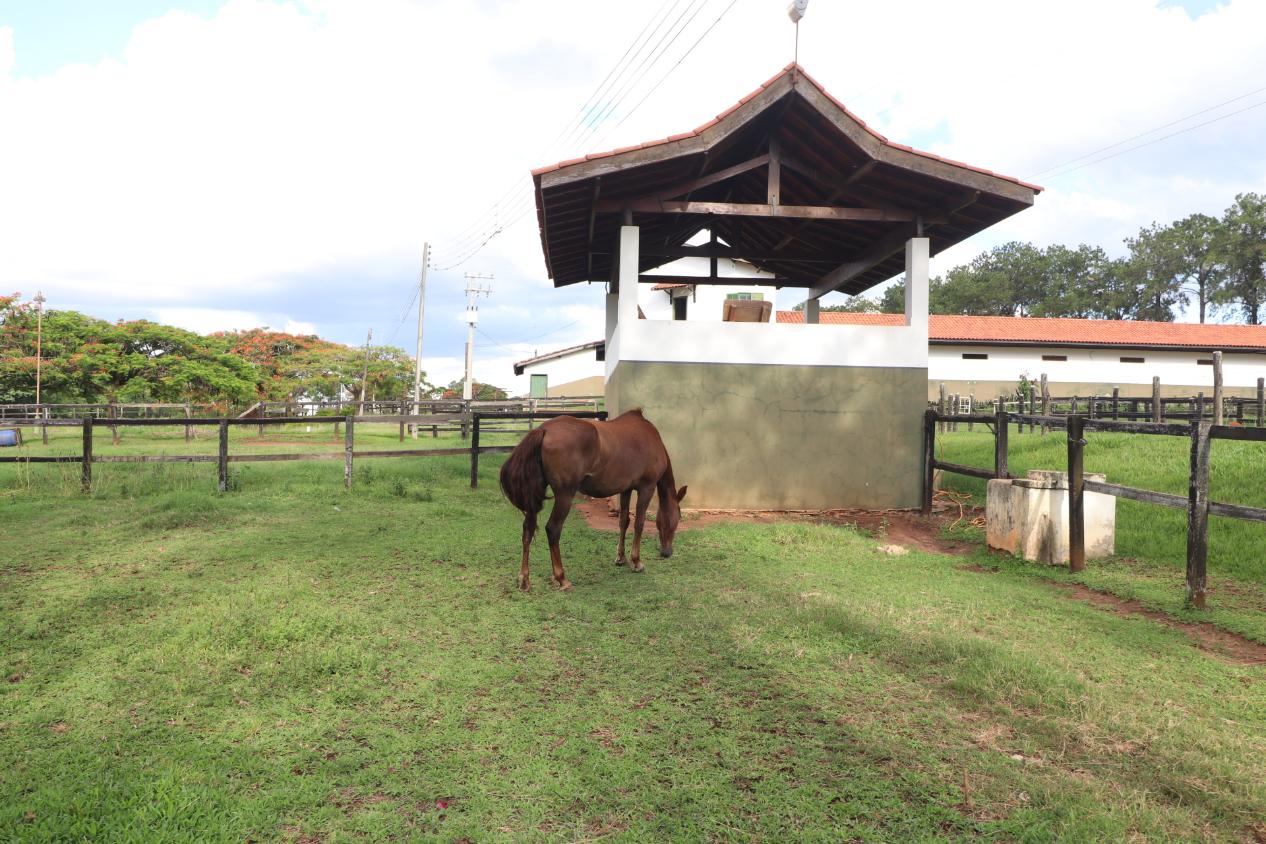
<point x="434" y="414"/>
<point x="348" y="455"/>
<point x="1196" y="502"/>
<point x="1217" y="407"/>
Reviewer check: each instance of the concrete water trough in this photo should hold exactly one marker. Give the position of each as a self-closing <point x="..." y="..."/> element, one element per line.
<point x="1028" y="517"/>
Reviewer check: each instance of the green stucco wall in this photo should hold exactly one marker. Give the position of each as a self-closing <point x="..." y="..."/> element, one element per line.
<point x="783" y="437"/>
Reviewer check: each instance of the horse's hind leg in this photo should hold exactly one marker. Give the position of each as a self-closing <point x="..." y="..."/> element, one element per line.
<point x="529" y="531"/>
<point x="624" y="524"/>
<point x="643" y="501"/>
<point x="554" y="530"/>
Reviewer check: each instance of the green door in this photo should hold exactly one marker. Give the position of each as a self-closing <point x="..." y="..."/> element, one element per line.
<point x="540" y="386"/>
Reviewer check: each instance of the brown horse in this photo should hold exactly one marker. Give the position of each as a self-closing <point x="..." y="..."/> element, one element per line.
<point x="600" y="459"/>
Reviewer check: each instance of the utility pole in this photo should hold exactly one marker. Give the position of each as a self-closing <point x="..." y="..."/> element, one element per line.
<point x="39" y="344"/>
<point x="417" y="360"/>
<point x="364" y="373"/>
<point x="473" y="291"/>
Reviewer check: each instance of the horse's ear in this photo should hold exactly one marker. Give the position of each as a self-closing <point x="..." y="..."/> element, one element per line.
<point x="681" y="493"/>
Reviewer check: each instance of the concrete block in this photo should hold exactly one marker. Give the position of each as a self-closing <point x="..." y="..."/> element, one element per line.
<point x="1028" y="517"/>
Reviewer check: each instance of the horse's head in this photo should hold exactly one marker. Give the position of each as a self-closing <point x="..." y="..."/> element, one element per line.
<point x="668" y="518"/>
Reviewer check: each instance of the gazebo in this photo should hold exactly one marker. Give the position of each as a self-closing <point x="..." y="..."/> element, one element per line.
<point x="768" y="414"/>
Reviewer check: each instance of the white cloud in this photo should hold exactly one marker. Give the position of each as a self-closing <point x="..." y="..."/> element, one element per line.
<point x="208" y="320"/>
<point x="226" y="162"/>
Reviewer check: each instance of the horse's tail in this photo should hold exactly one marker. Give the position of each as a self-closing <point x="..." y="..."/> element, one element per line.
<point x="523" y="474"/>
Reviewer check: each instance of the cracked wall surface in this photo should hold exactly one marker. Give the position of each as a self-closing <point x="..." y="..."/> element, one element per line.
<point x="783" y="437"/>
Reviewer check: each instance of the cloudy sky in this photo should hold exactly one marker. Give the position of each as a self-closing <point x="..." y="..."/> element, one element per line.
<point x="257" y="162"/>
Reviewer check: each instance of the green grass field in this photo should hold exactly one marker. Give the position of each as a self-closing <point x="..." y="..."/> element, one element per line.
<point x="290" y="661"/>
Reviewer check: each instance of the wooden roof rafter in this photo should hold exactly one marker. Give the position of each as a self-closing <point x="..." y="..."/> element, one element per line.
<point x="788" y="170"/>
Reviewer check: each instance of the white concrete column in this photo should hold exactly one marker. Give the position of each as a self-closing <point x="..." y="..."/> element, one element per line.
<point x="613" y="300"/>
<point x="812" y="309"/>
<point x="627" y="306"/>
<point x="917" y="251"/>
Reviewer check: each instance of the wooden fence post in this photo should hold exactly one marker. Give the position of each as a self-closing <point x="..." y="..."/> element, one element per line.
<point x="87" y="453"/>
<point x="929" y="458"/>
<point x="113" y="411"/>
<point x="44" y="428"/>
<point x="349" y="434"/>
<point x="1116" y="403"/>
<point x="1198" y="514"/>
<point x="224" y="455"/>
<point x="971" y="408"/>
<point x="474" y="453"/>
<point x="1046" y="403"/>
<point x="1000" y="468"/>
<point x="1158" y="412"/>
<point x="1261" y="402"/>
<point x="940" y="406"/>
<point x="1076" y="495"/>
<point x="954" y="401"/>
<point x="1032" y="408"/>
<point x="188" y="428"/>
<point x="1217" y="388"/>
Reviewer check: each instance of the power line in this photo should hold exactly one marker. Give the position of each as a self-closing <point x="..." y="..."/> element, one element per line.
<point x="1149" y="131"/>
<point x="523" y="204"/>
<point x="1157" y="140"/>
<point x="477" y="231"/>
<point x="496" y="342"/>
<point x="684" y="56"/>
<point x="675" y="31"/>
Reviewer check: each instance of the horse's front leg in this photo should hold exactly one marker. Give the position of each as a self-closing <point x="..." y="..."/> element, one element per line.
<point x="554" y="531"/>
<point x="624" y="524"/>
<point x="643" y="501"/>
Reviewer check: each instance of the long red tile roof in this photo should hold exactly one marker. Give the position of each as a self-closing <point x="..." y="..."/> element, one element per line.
<point x="800" y="73"/>
<point x="1067" y="332"/>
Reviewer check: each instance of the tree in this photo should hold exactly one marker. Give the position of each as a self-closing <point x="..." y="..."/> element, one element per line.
<point x="1243" y="250"/>
<point x="481" y="392"/>
<point x="1008" y="280"/>
<point x="91" y="360"/>
<point x="297" y="366"/>
<point x="893" y="300"/>
<point x="1191" y="251"/>
<point x="851" y="305"/>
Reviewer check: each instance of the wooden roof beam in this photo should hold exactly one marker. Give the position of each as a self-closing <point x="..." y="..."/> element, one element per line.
<point x="682" y="188"/>
<point x="884" y="248"/>
<point x="742" y="209"/>
<point x="745" y="281"/>
<point x="720" y="251"/>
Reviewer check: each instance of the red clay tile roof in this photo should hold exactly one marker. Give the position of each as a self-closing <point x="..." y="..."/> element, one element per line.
<point x="943" y="328"/>
<point x="800" y="72"/>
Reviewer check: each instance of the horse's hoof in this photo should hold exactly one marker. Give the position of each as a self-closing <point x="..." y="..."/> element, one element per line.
<point x="619" y="561"/>
<point x="638" y="568"/>
<point x="564" y="585"/>
<point x="525" y="586"/>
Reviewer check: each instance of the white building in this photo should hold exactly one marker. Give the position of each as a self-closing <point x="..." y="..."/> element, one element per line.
<point x="986" y="356"/>
<point x="579" y="370"/>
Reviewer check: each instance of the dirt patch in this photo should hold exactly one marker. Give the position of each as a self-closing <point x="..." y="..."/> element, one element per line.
<point x="897" y="527"/>
<point x="1224" y="644"/>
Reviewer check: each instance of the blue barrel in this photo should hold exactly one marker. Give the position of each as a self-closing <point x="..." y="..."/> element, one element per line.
<point x="8" y="436"/>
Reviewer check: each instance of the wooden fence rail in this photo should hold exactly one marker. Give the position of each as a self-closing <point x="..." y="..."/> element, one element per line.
<point x="1196" y="503"/>
<point x="348" y="455"/>
<point x="1219" y="408"/>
